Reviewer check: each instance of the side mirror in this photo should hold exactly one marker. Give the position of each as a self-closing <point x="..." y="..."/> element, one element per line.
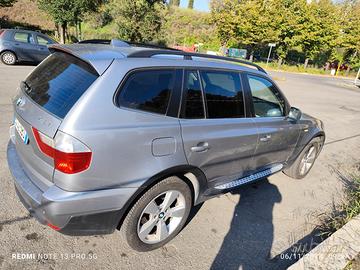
<point x="294" y="114"/>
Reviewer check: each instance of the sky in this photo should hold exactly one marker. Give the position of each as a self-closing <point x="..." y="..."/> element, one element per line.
<point x="202" y="5"/>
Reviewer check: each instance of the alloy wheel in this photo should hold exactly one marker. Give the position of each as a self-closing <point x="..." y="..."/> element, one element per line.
<point x="161" y="217"/>
<point x="8" y="58"/>
<point x="308" y="160"/>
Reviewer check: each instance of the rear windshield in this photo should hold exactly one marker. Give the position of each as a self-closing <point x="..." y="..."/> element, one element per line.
<point x="58" y="82"/>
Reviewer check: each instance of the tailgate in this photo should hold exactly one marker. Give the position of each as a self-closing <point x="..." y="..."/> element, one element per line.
<point x="37" y="166"/>
<point x="46" y="96"/>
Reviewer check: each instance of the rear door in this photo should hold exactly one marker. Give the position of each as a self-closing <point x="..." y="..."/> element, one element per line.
<point x="25" y="46"/>
<point x="46" y="96"/>
<point x="218" y="137"/>
<point x="278" y="134"/>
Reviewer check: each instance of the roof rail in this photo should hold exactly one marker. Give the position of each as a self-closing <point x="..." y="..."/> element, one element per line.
<point x="188" y="56"/>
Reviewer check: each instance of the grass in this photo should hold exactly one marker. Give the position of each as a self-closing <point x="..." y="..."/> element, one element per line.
<point x="301" y="69"/>
<point x="345" y="211"/>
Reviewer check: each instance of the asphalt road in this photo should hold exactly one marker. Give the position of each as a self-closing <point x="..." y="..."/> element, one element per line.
<point x="255" y="227"/>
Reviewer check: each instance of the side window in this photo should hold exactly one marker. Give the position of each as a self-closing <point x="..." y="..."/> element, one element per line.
<point x="23" y="37"/>
<point x="42" y="41"/>
<point x="223" y="94"/>
<point x="193" y="106"/>
<point x="148" y="90"/>
<point x="266" y="98"/>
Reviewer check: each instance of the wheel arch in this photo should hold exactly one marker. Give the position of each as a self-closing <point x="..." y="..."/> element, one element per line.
<point x="304" y="143"/>
<point x="191" y="175"/>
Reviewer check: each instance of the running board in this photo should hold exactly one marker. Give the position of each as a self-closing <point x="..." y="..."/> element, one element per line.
<point x="250" y="178"/>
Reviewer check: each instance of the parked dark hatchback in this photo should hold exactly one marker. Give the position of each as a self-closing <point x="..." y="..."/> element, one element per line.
<point x="17" y="45"/>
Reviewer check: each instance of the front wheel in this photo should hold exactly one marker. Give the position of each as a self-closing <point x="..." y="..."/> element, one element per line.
<point x="158" y="216"/>
<point x="305" y="161"/>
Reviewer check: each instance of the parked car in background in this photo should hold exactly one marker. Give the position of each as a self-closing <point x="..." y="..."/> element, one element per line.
<point x="17" y="45"/>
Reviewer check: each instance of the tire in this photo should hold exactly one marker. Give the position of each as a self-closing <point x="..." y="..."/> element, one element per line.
<point x="307" y="155"/>
<point x="150" y="224"/>
<point x="8" y="58"/>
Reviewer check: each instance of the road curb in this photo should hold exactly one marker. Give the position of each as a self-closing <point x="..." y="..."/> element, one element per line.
<point x="336" y="251"/>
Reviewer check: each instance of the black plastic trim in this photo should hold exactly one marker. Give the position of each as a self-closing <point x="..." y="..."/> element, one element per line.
<point x="188" y="56"/>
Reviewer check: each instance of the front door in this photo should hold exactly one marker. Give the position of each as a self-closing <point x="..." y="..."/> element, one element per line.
<point x="42" y="43"/>
<point x="278" y="134"/>
<point x="217" y="136"/>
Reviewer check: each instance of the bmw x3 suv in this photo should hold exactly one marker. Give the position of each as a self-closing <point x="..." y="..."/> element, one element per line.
<point x="122" y="137"/>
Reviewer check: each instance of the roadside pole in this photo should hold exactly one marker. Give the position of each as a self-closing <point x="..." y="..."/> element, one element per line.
<point x="357" y="76"/>
<point x="271" y="45"/>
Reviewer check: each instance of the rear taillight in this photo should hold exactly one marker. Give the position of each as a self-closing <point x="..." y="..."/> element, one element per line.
<point x="2" y="32"/>
<point x="69" y="155"/>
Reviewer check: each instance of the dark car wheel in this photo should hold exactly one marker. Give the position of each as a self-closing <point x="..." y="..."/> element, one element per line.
<point x="8" y="58"/>
<point x="305" y="161"/>
<point x="158" y="216"/>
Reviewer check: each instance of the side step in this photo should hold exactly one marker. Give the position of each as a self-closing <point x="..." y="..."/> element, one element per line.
<point x="250" y="178"/>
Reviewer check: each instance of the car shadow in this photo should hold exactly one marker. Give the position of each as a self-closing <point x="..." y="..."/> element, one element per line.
<point x="23" y="63"/>
<point x="248" y="243"/>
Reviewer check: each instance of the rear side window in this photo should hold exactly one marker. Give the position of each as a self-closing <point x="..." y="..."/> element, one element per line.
<point x="148" y="90"/>
<point x="223" y="94"/>
<point x="23" y="37"/>
<point x="193" y="106"/>
<point x="58" y="82"/>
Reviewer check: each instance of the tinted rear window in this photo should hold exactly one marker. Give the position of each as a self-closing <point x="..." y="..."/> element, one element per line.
<point x="148" y="90"/>
<point x="58" y="82"/>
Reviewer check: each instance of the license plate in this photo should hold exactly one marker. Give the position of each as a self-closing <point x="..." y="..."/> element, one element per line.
<point x="21" y="131"/>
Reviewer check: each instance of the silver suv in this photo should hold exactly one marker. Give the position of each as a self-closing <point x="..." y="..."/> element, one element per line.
<point x="125" y="137"/>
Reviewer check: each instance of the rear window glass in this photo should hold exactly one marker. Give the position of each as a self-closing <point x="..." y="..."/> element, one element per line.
<point x="58" y="82"/>
<point x="23" y="37"/>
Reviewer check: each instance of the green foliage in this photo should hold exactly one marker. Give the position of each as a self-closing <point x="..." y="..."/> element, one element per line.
<point x="320" y="28"/>
<point x="189" y="27"/>
<point x="7" y="3"/>
<point x="138" y="20"/>
<point x="67" y="11"/>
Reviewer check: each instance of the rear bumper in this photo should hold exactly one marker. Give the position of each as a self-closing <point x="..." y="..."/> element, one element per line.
<point x="75" y="213"/>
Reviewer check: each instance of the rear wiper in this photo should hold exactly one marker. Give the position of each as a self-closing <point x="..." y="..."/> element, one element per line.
<point x="27" y="87"/>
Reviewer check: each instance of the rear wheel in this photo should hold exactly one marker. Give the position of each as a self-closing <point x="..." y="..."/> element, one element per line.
<point x="8" y="58"/>
<point x="158" y="216"/>
<point x="305" y="161"/>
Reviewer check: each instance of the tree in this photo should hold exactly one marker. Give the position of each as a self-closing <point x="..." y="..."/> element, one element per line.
<point x="191" y="4"/>
<point x="7" y="3"/>
<point x="138" y="20"/>
<point x="319" y="29"/>
<point x="349" y="39"/>
<point x="65" y="12"/>
<point x="248" y="23"/>
<point x="195" y="28"/>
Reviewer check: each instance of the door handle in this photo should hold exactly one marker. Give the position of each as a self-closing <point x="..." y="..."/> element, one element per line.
<point x="266" y="138"/>
<point x="200" y="147"/>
